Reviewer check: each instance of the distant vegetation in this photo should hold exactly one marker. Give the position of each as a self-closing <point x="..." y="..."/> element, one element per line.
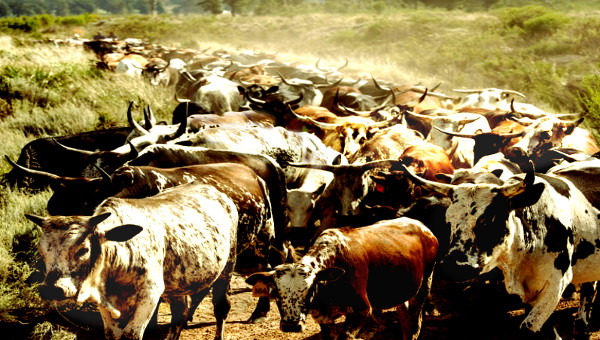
<point x="549" y="53"/>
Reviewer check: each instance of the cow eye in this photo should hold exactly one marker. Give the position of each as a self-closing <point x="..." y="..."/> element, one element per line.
<point x="81" y="252"/>
<point x="544" y="135"/>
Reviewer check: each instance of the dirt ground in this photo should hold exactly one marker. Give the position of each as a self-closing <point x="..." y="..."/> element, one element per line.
<point x="481" y="312"/>
<point x="482" y="322"/>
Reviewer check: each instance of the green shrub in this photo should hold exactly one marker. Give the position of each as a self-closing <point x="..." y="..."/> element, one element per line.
<point x="545" y="24"/>
<point x="517" y="16"/>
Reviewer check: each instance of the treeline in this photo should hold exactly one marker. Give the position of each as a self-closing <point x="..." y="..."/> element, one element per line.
<point x="16" y="8"/>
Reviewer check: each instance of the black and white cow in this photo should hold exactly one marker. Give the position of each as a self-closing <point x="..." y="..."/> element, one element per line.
<point x="185" y="245"/>
<point x="352" y="271"/>
<point x="541" y="230"/>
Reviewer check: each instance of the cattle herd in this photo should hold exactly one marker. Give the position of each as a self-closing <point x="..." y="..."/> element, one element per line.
<point x="334" y="194"/>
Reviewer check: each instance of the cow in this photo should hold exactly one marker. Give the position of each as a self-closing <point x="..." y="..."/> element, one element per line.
<point x="214" y="93"/>
<point x="353" y="271"/>
<point x="342" y="199"/>
<point x="47" y="154"/>
<point x="282" y="145"/>
<point x="540" y="230"/>
<point x="190" y="249"/>
<point x="489" y="98"/>
<point x="540" y="136"/>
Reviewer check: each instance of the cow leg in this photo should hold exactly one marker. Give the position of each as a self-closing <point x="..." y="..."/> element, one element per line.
<point x="411" y="312"/>
<point x="221" y="304"/>
<point x="195" y="302"/>
<point x="179" y="312"/>
<point x="144" y="309"/>
<point x="260" y="312"/>
<point x="542" y="309"/>
<point x="582" y="325"/>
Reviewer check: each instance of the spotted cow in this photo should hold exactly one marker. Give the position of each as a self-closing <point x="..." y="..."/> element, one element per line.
<point x="353" y="271"/>
<point x="541" y="231"/>
<point x="190" y="249"/>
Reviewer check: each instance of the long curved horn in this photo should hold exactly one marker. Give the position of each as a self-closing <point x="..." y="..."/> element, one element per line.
<point x="75" y="150"/>
<point x="148" y="124"/>
<point x="284" y="80"/>
<point x="345" y="64"/>
<point x="379" y="87"/>
<point x="254" y="100"/>
<point x="48" y="175"/>
<point x="337" y="82"/>
<point x="321" y="125"/>
<point x="179" y="100"/>
<point x="420" y="116"/>
<point x="105" y="176"/>
<point x="467" y="91"/>
<point x="514" y="92"/>
<point x="510" y="190"/>
<point x="294" y="101"/>
<point x="336" y="169"/>
<point x="132" y="121"/>
<point x="440" y="188"/>
<point x="180" y="131"/>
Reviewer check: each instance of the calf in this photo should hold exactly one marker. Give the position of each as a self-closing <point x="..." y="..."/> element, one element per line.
<point x="351" y="271"/>
<point x="99" y="259"/>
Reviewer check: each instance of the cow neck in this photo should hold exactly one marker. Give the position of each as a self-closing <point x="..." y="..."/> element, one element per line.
<point x="323" y="254"/>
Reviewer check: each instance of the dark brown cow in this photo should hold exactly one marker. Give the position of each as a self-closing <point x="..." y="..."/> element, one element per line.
<point x="353" y="271"/>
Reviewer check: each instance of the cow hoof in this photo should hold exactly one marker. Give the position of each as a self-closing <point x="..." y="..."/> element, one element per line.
<point x="257" y="319"/>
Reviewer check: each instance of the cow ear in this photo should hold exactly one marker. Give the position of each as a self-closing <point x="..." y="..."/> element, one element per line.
<point x="337" y="160"/>
<point x="529" y="197"/>
<point x="123" y="232"/>
<point x="329" y="274"/>
<point x="35" y="219"/>
<point x="497" y="172"/>
<point x="264" y="277"/>
<point x="95" y="220"/>
<point x="443" y="178"/>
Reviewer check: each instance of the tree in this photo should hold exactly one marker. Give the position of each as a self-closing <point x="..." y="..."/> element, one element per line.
<point x="59" y="7"/>
<point x="237" y="6"/>
<point x="4" y="9"/>
<point x="212" y="6"/>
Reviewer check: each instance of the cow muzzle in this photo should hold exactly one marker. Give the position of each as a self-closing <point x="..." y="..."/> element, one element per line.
<point x="292" y="327"/>
<point x="51" y="292"/>
<point x="453" y="266"/>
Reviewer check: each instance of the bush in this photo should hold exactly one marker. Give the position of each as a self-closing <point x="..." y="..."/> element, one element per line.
<point x="545" y="24"/>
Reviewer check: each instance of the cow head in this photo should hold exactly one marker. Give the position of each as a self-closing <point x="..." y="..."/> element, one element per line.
<point x="294" y="288"/>
<point x="542" y="135"/>
<point x="70" y="246"/>
<point x="479" y="219"/>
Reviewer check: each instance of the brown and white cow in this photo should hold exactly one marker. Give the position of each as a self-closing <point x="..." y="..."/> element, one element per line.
<point x="185" y="245"/>
<point x="353" y="271"/>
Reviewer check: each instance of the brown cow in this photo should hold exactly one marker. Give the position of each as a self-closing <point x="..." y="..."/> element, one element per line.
<point x="352" y="271"/>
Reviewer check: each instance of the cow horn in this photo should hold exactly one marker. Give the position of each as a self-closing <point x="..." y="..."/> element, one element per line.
<point x="514" y="92"/>
<point x="71" y="149"/>
<point x="48" y="175"/>
<point x="132" y="121"/>
<point x="254" y="100"/>
<point x="179" y="100"/>
<point x="180" y="130"/>
<point x="379" y="87"/>
<point x="147" y="122"/>
<point x="422" y="98"/>
<point x="105" y="176"/>
<point x="467" y="91"/>
<point x="421" y="116"/>
<point x="284" y="80"/>
<point x="512" y="189"/>
<point x="321" y="125"/>
<point x="295" y="101"/>
<point x="440" y="188"/>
